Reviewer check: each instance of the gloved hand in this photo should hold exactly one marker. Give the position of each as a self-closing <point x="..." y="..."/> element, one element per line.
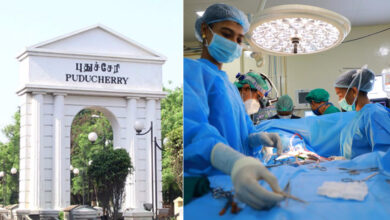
<point x="245" y="173"/>
<point x="267" y="140"/>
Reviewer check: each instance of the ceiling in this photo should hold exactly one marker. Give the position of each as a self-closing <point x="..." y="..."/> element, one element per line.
<point x="359" y="12"/>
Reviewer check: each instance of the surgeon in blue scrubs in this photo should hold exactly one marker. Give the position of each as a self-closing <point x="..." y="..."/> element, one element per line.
<point x="369" y="130"/>
<point x="218" y="134"/>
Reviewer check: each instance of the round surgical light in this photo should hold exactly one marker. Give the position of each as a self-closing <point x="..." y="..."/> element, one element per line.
<point x="297" y="29"/>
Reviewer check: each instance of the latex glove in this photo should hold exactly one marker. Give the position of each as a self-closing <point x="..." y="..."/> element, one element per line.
<point x="267" y="140"/>
<point x="245" y="173"/>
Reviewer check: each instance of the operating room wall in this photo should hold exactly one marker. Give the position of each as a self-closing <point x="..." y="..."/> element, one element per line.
<point x="320" y="70"/>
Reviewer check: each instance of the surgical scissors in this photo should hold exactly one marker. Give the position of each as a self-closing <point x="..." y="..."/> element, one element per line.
<point x="363" y="180"/>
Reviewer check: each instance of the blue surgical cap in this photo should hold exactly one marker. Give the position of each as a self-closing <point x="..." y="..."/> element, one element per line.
<point x="351" y="79"/>
<point x="221" y="12"/>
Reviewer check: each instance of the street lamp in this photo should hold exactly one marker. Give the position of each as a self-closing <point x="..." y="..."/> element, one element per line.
<point x="92" y="137"/>
<point x="165" y="141"/>
<point x="13" y="171"/>
<point x="139" y="126"/>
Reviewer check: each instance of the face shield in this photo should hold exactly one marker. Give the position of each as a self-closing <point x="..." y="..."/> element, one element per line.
<point x="261" y="84"/>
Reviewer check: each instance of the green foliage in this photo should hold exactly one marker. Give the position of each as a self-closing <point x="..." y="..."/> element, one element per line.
<point x="103" y="179"/>
<point x="173" y="160"/>
<point x="9" y="157"/>
<point x="109" y="167"/>
<point x="82" y="149"/>
<point x="172" y="111"/>
<point x="172" y="128"/>
<point x="108" y="173"/>
<point x="61" y="215"/>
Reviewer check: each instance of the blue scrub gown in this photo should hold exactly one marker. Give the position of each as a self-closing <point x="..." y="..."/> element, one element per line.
<point x="368" y="131"/>
<point x="213" y="113"/>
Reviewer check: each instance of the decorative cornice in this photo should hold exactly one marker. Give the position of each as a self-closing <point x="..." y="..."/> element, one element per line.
<point x="44" y="89"/>
<point x="91" y="56"/>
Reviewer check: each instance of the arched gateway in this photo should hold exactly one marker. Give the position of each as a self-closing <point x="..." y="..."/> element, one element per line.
<point x="90" y="68"/>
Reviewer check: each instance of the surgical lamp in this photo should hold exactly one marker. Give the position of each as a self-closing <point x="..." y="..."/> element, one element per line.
<point x="297" y="29"/>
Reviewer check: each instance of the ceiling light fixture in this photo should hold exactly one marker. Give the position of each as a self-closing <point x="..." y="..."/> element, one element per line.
<point x="383" y="51"/>
<point x="297" y="29"/>
<point x="200" y="13"/>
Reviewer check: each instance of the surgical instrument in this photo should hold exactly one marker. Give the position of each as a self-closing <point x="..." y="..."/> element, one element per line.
<point x="363" y="180"/>
<point x="287" y="195"/>
<point x="358" y="171"/>
<point x="317" y="166"/>
<point x="287" y="189"/>
<point x="220" y="193"/>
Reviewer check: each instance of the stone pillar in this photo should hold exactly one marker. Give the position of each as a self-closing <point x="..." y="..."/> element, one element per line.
<point x="130" y="190"/>
<point x="25" y="146"/>
<point x="37" y="209"/>
<point x="59" y="169"/>
<point x="36" y="177"/>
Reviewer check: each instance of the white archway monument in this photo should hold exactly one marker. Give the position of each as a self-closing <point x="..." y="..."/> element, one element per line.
<point x="94" y="68"/>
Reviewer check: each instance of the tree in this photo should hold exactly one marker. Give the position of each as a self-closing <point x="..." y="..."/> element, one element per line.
<point x="172" y="128"/>
<point x="108" y="173"/>
<point x="9" y="157"/>
<point x="82" y="149"/>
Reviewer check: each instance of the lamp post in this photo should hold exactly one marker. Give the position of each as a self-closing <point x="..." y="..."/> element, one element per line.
<point x="92" y="137"/>
<point x="139" y="126"/>
<point x="3" y="174"/>
<point x="76" y="172"/>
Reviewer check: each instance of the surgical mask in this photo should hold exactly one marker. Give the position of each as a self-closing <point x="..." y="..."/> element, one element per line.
<point x="251" y="106"/>
<point x="223" y="50"/>
<point x="347" y="107"/>
<point x="284" y="116"/>
<point x="343" y="102"/>
<point x="317" y="110"/>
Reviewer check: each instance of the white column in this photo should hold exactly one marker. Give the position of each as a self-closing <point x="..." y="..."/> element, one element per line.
<point x="59" y="169"/>
<point x="130" y="190"/>
<point x="150" y="110"/>
<point x="25" y="145"/>
<point x="35" y="191"/>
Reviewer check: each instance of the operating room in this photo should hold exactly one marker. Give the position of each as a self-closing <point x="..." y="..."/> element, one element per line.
<point x="290" y="127"/>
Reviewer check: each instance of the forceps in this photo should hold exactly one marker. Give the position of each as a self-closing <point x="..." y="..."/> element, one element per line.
<point x="365" y="179"/>
<point x="287" y="195"/>
<point x="358" y="171"/>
